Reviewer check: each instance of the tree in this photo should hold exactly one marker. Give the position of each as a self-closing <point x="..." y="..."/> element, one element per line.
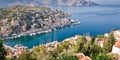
<point x="38" y="52"/>
<point x="65" y="57"/>
<point x="54" y="55"/>
<point x="100" y="36"/>
<point x="109" y="43"/>
<point x="26" y="56"/>
<point x="92" y="40"/>
<point x="84" y="38"/>
<point x="102" y="56"/>
<point x="78" y="45"/>
<point x="91" y="50"/>
<point x="9" y="58"/>
<point x="64" y="45"/>
<point x="2" y="51"/>
<point x="94" y="51"/>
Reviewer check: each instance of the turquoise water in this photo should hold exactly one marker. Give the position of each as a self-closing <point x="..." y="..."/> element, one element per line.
<point x="94" y="20"/>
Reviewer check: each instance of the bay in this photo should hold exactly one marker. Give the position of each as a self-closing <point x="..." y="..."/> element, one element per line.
<point x="94" y="20"/>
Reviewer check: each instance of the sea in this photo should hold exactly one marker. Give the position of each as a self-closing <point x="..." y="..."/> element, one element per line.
<point x="94" y="20"/>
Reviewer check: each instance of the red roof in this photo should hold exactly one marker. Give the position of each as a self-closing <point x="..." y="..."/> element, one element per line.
<point x="118" y="36"/>
<point x="81" y="56"/>
<point x="86" y="58"/>
<point x="117" y="44"/>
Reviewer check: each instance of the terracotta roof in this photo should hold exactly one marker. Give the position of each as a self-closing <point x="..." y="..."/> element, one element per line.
<point x="81" y="56"/>
<point x="117" y="44"/>
<point x="119" y="30"/>
<point x="118" y="36"/>
<point x="86" y="58"/>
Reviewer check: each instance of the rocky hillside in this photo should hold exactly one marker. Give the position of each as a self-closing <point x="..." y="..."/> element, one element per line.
<point x="18" y="19"/>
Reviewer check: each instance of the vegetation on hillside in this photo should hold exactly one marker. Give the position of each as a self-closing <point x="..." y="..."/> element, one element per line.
<point x="66" y="50"/>
<point x="2" y="51"/>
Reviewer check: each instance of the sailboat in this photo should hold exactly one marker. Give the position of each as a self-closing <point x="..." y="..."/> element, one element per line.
<point x="55" y="40"/>
<point x="55" y="36"/>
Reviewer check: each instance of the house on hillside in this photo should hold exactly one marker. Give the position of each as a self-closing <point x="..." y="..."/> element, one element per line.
<point x="116" y="48"/>
<point x="88" y="38"/>
<point x="106" y="35"/>
<point x="73" y="39"/>
<point x="117" y="35"/>
<point x="100" y="42"/>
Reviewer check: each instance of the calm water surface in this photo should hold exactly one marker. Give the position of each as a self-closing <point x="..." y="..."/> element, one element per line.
<point x="94" y="20"/>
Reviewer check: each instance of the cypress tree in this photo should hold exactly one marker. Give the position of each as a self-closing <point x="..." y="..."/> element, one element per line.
<point x="109" y="43"/>
<point x="2" y="51"/>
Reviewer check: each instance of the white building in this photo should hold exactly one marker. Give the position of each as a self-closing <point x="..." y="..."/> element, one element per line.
<point x="116" y="48"/>
<point x="117" y="35"/>
<point x="106" y="35"/>
<point x="100" y="42"/>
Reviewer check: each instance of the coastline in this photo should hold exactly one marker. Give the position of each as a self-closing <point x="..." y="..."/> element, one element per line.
<point x="70" y="39"/>
<point x="41" y="31"/>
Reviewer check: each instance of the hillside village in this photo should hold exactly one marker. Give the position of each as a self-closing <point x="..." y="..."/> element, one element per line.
<point x="16" y="21"/>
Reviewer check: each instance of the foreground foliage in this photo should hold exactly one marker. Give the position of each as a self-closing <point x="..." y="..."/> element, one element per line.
<point x="2" y="51"/>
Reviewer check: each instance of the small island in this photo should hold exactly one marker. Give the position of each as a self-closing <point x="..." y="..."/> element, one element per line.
<point x="18" y="20"/>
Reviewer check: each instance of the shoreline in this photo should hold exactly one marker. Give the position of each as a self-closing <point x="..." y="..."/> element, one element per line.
<point x="53" y="42"/>
<point x="41" y="31"/>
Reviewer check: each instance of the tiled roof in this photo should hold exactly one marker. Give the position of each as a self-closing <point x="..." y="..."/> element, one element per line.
<point x="117" y="44"/>
<point x="86" y="58"/>
<point x="118" y="36"/>
<point x="81" y="56"/>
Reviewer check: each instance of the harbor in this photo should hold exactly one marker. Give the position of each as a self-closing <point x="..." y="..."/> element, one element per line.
<point x="41" y="31"/>
<point x="91" y="24"/>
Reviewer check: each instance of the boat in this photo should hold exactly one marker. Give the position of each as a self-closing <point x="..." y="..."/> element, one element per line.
<point x="55" y="29"/>
<point x="39" y="32"/>
<point x="30" y="34"/>
<point x="33" y="33"/>
<point x="75" y="22"/>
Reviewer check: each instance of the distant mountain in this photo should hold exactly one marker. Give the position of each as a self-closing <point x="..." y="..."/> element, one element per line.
<point x="76" y="3"/>
<point x="54" y="2"/>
